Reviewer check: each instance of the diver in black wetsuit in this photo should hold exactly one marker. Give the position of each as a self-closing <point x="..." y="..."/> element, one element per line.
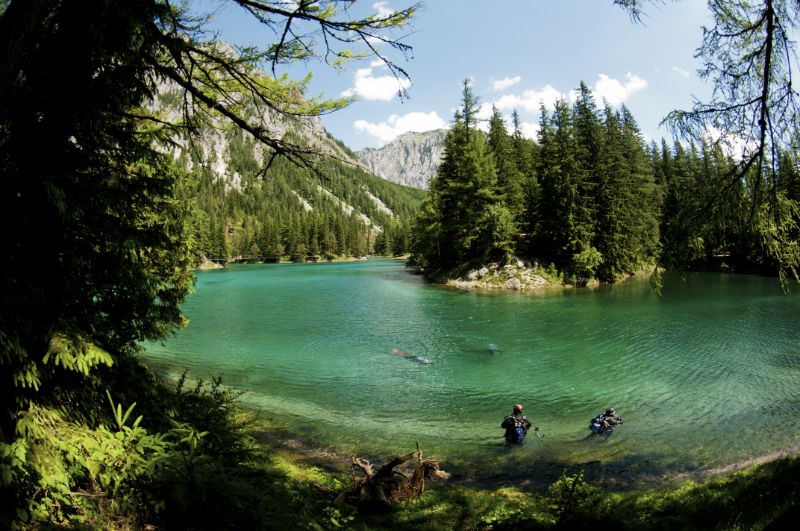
<point x="516" y="426"/>
<point x="605" y="422"/>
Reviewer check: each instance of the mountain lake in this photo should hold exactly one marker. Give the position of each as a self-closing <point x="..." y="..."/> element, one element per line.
<point x="705" y="376"/>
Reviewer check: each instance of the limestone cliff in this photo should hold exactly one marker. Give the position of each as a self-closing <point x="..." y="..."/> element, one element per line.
<point x="411" y="159"/>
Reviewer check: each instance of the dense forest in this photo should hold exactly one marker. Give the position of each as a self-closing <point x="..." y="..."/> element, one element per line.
<point x="590" y="198"/>
<point x="333" y="210"/>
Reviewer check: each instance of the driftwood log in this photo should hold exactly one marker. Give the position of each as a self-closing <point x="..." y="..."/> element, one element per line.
<point x="384" y="486"/>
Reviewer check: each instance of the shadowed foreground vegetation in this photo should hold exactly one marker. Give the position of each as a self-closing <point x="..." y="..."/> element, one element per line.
<point x="185" y="457"/>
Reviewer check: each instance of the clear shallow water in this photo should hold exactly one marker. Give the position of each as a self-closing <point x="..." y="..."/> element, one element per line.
<point x="706" y="375"/>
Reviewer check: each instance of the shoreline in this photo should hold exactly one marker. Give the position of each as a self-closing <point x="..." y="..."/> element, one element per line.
<point x="518" y="277"/>
<point x="207" y="264"/>
<point x="537" y="477"/>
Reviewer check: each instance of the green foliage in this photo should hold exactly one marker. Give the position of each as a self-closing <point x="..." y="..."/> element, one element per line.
<point x="201" y="472"/>
<point x="448" y="232"/>
<point x="497" y="231"/>
<point x="779" y="228"/>
<point x="64" y="473"/>
<point x="570" y="496"/>
<point x="265" y="218"/>
<point x="76" y="355"/>
<point x="585" y="195"/>
<point x="509" y="159"/>
<point x="584" y="265"/>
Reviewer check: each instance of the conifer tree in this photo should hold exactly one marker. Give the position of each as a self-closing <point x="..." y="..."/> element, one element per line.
<point x="611" y="195"/>
<point x="509" y="177"/>
<point x="640" y="213"/>
<point x="563" y="220"/>
<point x="524" y="152"/>
<point x="588" y="140"/>
<point x="463" y="219"/>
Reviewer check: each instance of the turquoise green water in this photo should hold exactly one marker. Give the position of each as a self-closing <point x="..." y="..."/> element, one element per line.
<point x="704" y="376"/>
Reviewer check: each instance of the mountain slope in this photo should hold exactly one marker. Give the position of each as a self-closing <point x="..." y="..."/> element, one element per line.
<point x="411" y="159"/>
<point x="244" y="212"/>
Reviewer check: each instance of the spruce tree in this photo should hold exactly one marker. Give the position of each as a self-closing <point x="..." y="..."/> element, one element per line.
<point x="509" y="177"/>
<point x="588" y="140"/>
<point x="564" y="225"/>
<point x="462" y="220"/>
<point x="642" y="210"/>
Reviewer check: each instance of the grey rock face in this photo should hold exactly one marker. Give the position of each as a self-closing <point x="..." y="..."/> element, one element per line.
<point x="411" y="159"/>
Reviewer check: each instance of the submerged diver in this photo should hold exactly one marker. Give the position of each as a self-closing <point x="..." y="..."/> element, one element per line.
<point x="516" y="426"/>
<point x="603" y="424"/>
<point x="411" y="357"/>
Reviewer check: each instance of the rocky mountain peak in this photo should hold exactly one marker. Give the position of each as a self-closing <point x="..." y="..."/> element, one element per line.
<point x="411" y="159"/>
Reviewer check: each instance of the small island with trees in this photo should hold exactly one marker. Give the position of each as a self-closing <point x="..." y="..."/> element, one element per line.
<point x="588" y="202"/>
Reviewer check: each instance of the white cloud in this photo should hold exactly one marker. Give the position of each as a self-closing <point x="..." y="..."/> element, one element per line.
<point x="616" y="92"/>
<point x="680" y="71"/>
<point x="612" y="90"/>
<point x="383" y="9"/>
<point x="506" y="82"/>
<point x="529" y="129"/>
<point x="397" y="125"/>
<point x="734" y="144"/>
<point x="530" y="100"/>
<point x="369" y="86"/>
<point x="484" y="112"/>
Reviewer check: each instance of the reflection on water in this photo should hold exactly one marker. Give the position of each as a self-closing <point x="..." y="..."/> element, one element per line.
<point x="705" y="375"/>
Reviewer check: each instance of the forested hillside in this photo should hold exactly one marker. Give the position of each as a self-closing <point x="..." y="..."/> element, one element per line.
<point x="246" y="206"/>
<point x="295" y="212"/>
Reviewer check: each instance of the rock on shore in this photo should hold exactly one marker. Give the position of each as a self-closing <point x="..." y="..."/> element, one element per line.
<point x="515" y="276"/>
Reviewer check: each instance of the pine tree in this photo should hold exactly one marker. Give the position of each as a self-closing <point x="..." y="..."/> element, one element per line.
<point x="610" y="196"/>
<point x="462" y="215"/>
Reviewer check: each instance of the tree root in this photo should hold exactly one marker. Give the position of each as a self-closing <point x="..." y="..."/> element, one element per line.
<point x="384" y="486"/>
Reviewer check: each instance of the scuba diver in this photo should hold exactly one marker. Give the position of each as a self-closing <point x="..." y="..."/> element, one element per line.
<point x="516" y="426"/>
<point x="603" y="424"/>
<point x="417" y="359"/>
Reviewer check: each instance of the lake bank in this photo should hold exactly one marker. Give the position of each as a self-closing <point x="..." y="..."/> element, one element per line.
<point x="207" y="264"/>
<point x="516" y="275"/>
<point x="626" y="475"/>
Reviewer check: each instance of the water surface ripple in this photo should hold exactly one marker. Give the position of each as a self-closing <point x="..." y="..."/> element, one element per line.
<point x="704" y="376"/>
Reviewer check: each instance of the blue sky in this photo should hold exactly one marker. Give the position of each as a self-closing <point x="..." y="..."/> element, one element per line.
<point x="517" y="54"/>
